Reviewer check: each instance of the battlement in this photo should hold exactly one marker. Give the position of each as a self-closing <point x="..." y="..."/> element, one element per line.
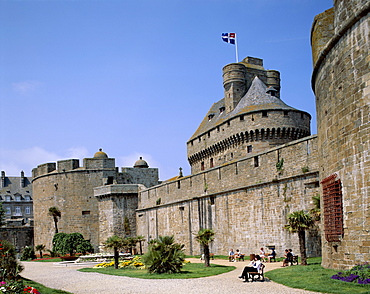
<point x="43" y="169"/>
<point x="96" y="163"/>
<point x="69" y="164"/>
<point x="73" y="164"/>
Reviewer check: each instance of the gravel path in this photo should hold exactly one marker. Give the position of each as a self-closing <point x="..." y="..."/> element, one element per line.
<point x="67" y="278"/>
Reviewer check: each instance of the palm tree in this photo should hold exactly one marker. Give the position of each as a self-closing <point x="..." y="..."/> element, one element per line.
<point x="116" y="243"/>
<point x="140" y="239"/>
<point x="204" y="237"/>
<point x="316" y="212"/>
<point x="55" y="213"/>
<point x="164" y="256"/>
<point x="299" y="222"/>
<point x="40" y="248"/>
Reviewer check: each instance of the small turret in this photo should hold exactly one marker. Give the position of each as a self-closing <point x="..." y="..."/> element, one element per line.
<point x="234" y="84"/>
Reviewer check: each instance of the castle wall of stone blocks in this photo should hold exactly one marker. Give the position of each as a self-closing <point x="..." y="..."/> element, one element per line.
<point x="245" y="202"/>
<point x="341" y="81"/>
<point x="70" y="188"/>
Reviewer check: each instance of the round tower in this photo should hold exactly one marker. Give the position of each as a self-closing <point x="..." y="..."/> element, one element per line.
<point x="340" y="81"/>
<point x="273" y="80"/>
<point x="234" y="84"/>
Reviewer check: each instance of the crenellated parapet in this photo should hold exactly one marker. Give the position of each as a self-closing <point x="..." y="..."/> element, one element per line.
<point x="265" y="137"/>
<point x="256" y="121"/>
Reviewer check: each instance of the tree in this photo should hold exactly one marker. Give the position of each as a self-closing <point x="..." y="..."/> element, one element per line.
<point x="2" y="215"/>
<point x="131" y="243"/>
<point x="140" y="239"/>
<point x="40" y="248"/>
<point x="164" y="256"/>
<point x="70" y="243"/>
<point x="55" y="213"/>
<point x="116" y="243"/>
<point x="84" y="247"/>
<point x="204" y="237"/>
<point x="299" y="222"/>
<point x="316" y="211"/>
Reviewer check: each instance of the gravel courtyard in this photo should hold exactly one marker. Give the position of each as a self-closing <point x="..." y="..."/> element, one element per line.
<point x="67" y="278"/>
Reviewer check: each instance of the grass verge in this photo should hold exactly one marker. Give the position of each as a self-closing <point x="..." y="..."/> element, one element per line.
<point x="314" y="278"/>
<point x="53" y="259"/>
<point x="189" y="271"/>
<point x="43" y="289"/>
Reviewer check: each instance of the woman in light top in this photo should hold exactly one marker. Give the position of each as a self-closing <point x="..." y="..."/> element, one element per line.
<point x="253" y="266"/>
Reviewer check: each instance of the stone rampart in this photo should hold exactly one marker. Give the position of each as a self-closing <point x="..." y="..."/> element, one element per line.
<point x="341" y="82"/>
<point x="246" y="202"/>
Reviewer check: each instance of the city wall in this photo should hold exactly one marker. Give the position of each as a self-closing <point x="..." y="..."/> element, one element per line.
<point x="245" y="202"/>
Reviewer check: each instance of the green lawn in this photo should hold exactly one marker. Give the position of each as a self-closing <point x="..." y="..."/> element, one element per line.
<point x="189" y="271"/>
<point x="42" y="289"/>
<point x="54" y="259"/>
<point x="314" y="278"/>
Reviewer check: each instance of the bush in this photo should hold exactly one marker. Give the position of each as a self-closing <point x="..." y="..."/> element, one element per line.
<point x="9" y="266"/>
<point x="71" y="243"/>
<point x="164" y="256"/>
<point x="28" y="253"/>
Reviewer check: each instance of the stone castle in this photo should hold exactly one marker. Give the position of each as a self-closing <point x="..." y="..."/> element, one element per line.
<point x="235" y="187"/>
<point x="253" y="161"/>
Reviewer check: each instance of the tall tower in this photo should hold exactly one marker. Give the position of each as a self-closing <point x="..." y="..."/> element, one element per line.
<point x="341" y="82"/>
<point x="238" y="77"/>
<point x="251" y="118"/>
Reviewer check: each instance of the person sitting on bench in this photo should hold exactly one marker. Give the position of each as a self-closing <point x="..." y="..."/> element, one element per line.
<point x="288" y="258"/>
<point x="238" y="255"/>
<point x="231" y="255"/>
<point x="253" y="266"/>
<point x="272" y="255"/>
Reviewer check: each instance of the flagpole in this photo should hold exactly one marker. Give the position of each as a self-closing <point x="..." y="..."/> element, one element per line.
<point x="236" y="49"/>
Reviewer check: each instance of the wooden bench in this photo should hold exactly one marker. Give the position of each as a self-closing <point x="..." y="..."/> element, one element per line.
<point x="211" y="256"/>
<point x="256" y="276"/>
<point x="294" y="260"/>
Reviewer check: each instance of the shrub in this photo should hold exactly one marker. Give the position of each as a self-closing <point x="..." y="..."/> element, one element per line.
<point x="71" y="243"/>
<point x="164" y="256"/>
<point x="9" y="266"/>
<point x="28" y="253"/>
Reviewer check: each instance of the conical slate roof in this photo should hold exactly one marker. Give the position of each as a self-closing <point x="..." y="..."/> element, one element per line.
<point x="256" y="99"/>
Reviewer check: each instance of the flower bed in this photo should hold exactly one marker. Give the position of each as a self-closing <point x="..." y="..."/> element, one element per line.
<point x="135" y="262"/>
<point x="15" y="286"/>
<point x="359" y="274"/>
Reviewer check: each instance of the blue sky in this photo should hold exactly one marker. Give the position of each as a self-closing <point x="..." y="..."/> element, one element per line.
<point x="135" y="77"/>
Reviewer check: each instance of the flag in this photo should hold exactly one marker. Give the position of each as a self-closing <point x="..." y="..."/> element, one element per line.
<point x="229" y="38"/>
